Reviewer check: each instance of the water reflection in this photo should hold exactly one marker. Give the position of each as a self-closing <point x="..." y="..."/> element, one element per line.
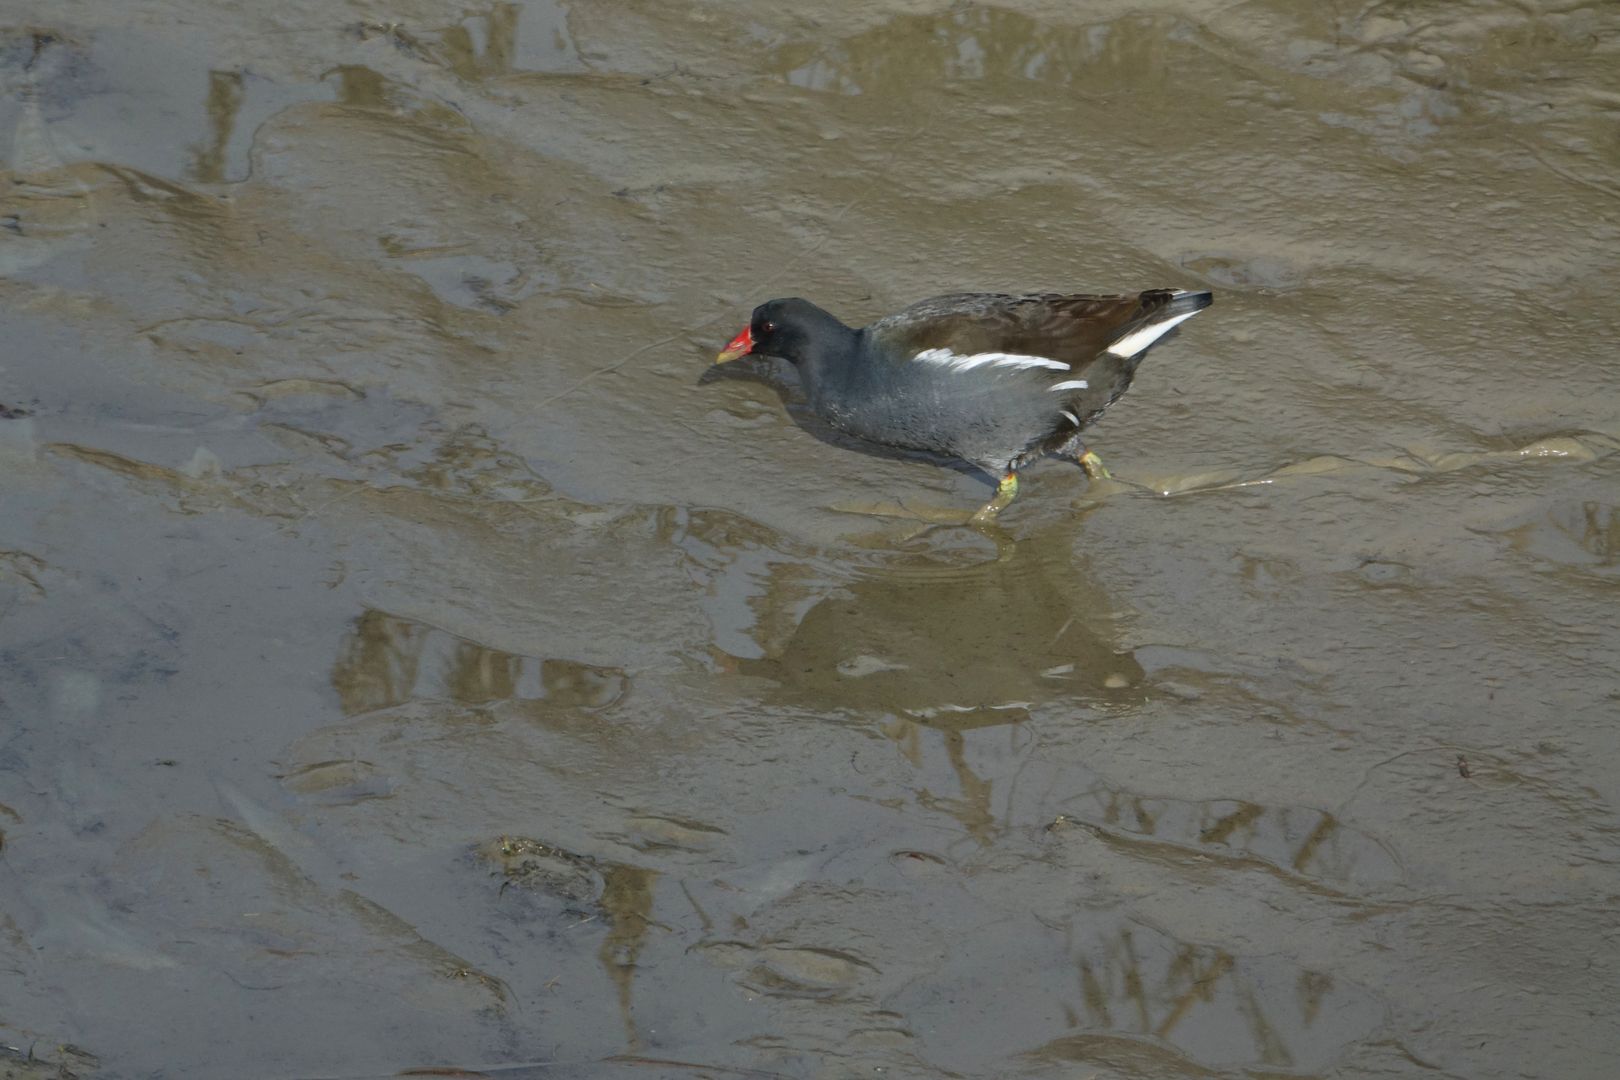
<point x="505" y="38"/>
<point x="483" y="44"/>
<point x="1300" y="840"/>
<point x="1584" y="533"/>
<point x="387" y="660"/>
<point x="224" y="102"/>
<point x="954" y="646"/>
<point x="363" y="88"/>
<point x="970" y="807"/>
<point x="627" y="900"/>
<point x="138" y="91"/>
<point x="622" y="895"/>
<point x="1123" y="992"/>
<point x="929" y="648"/>
<point x="1215" y="1006"/>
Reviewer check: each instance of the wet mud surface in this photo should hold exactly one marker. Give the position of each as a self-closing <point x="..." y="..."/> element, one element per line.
<point x="409" y="660"/>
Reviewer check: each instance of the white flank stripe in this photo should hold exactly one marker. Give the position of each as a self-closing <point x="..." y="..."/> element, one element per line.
<point x="1073" y="419"/>
<point x="1070" y="384"/>
<point x="1137" y="340"/>
<point x="954" y="362"/>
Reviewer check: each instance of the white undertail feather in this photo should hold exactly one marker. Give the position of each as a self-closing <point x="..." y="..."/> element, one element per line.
<point x="955" y="362"/>
<point x="1143" y="336"/>
<point x="1073" y="419"/>
<point x="1070" y="384"/>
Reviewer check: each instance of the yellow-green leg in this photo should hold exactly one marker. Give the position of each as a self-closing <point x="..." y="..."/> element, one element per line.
<point x="1094" y="466"/>
<point x="1006" y="492"/>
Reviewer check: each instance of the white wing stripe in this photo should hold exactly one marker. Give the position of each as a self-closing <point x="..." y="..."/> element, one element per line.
<point x="951" y="361"/>
<point x="1070" y="384"/>
<point x="1139" y="339"/>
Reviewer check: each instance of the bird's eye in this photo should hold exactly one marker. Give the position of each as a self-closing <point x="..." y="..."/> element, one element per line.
<point x="767" y="327"/>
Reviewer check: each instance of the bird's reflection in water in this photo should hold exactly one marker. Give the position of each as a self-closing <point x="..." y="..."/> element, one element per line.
<point x="934" y="650"/>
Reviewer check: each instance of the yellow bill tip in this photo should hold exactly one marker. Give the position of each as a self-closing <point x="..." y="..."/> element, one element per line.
<point x="741" y="345"/>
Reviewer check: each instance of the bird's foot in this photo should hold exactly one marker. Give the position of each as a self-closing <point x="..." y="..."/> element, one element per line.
<point x="1006" y="491"/>
<point x="1094" y="467"/>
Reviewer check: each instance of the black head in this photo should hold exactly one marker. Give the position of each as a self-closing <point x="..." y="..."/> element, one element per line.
<point x="794" y="329"/>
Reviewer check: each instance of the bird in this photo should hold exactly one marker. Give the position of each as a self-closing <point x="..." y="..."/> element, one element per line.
<point x="991" y="379"/>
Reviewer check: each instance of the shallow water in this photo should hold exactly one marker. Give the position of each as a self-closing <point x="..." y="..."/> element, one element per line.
<point x="409" y="660"/>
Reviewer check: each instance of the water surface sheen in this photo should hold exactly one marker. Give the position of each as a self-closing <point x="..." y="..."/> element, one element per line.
<point x="407" y="662"/>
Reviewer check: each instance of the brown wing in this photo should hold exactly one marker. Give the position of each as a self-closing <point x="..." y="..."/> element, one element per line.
<point x="1072" y="329"/>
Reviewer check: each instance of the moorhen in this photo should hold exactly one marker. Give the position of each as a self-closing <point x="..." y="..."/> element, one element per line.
<point x="993" y="380"/>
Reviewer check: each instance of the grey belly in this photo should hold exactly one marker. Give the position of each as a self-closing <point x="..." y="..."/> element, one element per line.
<point x="988" y="433"/>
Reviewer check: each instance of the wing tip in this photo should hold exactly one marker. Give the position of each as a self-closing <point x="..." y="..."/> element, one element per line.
<point x="1189" y="301"/>
<point x="1183" y="305"/>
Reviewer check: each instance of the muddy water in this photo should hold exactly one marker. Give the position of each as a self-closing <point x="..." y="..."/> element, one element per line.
<point x="407" y="660"/>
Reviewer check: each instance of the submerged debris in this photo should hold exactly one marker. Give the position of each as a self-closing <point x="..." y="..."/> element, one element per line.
<point x="538" y="867"/>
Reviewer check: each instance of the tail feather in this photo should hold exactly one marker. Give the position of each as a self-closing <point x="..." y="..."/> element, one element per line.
<point x="1189" y="300"/>
<point x="1183" y="305"/>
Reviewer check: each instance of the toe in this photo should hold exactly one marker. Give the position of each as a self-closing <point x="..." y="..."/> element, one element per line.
<point x="1094" y="466"/>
